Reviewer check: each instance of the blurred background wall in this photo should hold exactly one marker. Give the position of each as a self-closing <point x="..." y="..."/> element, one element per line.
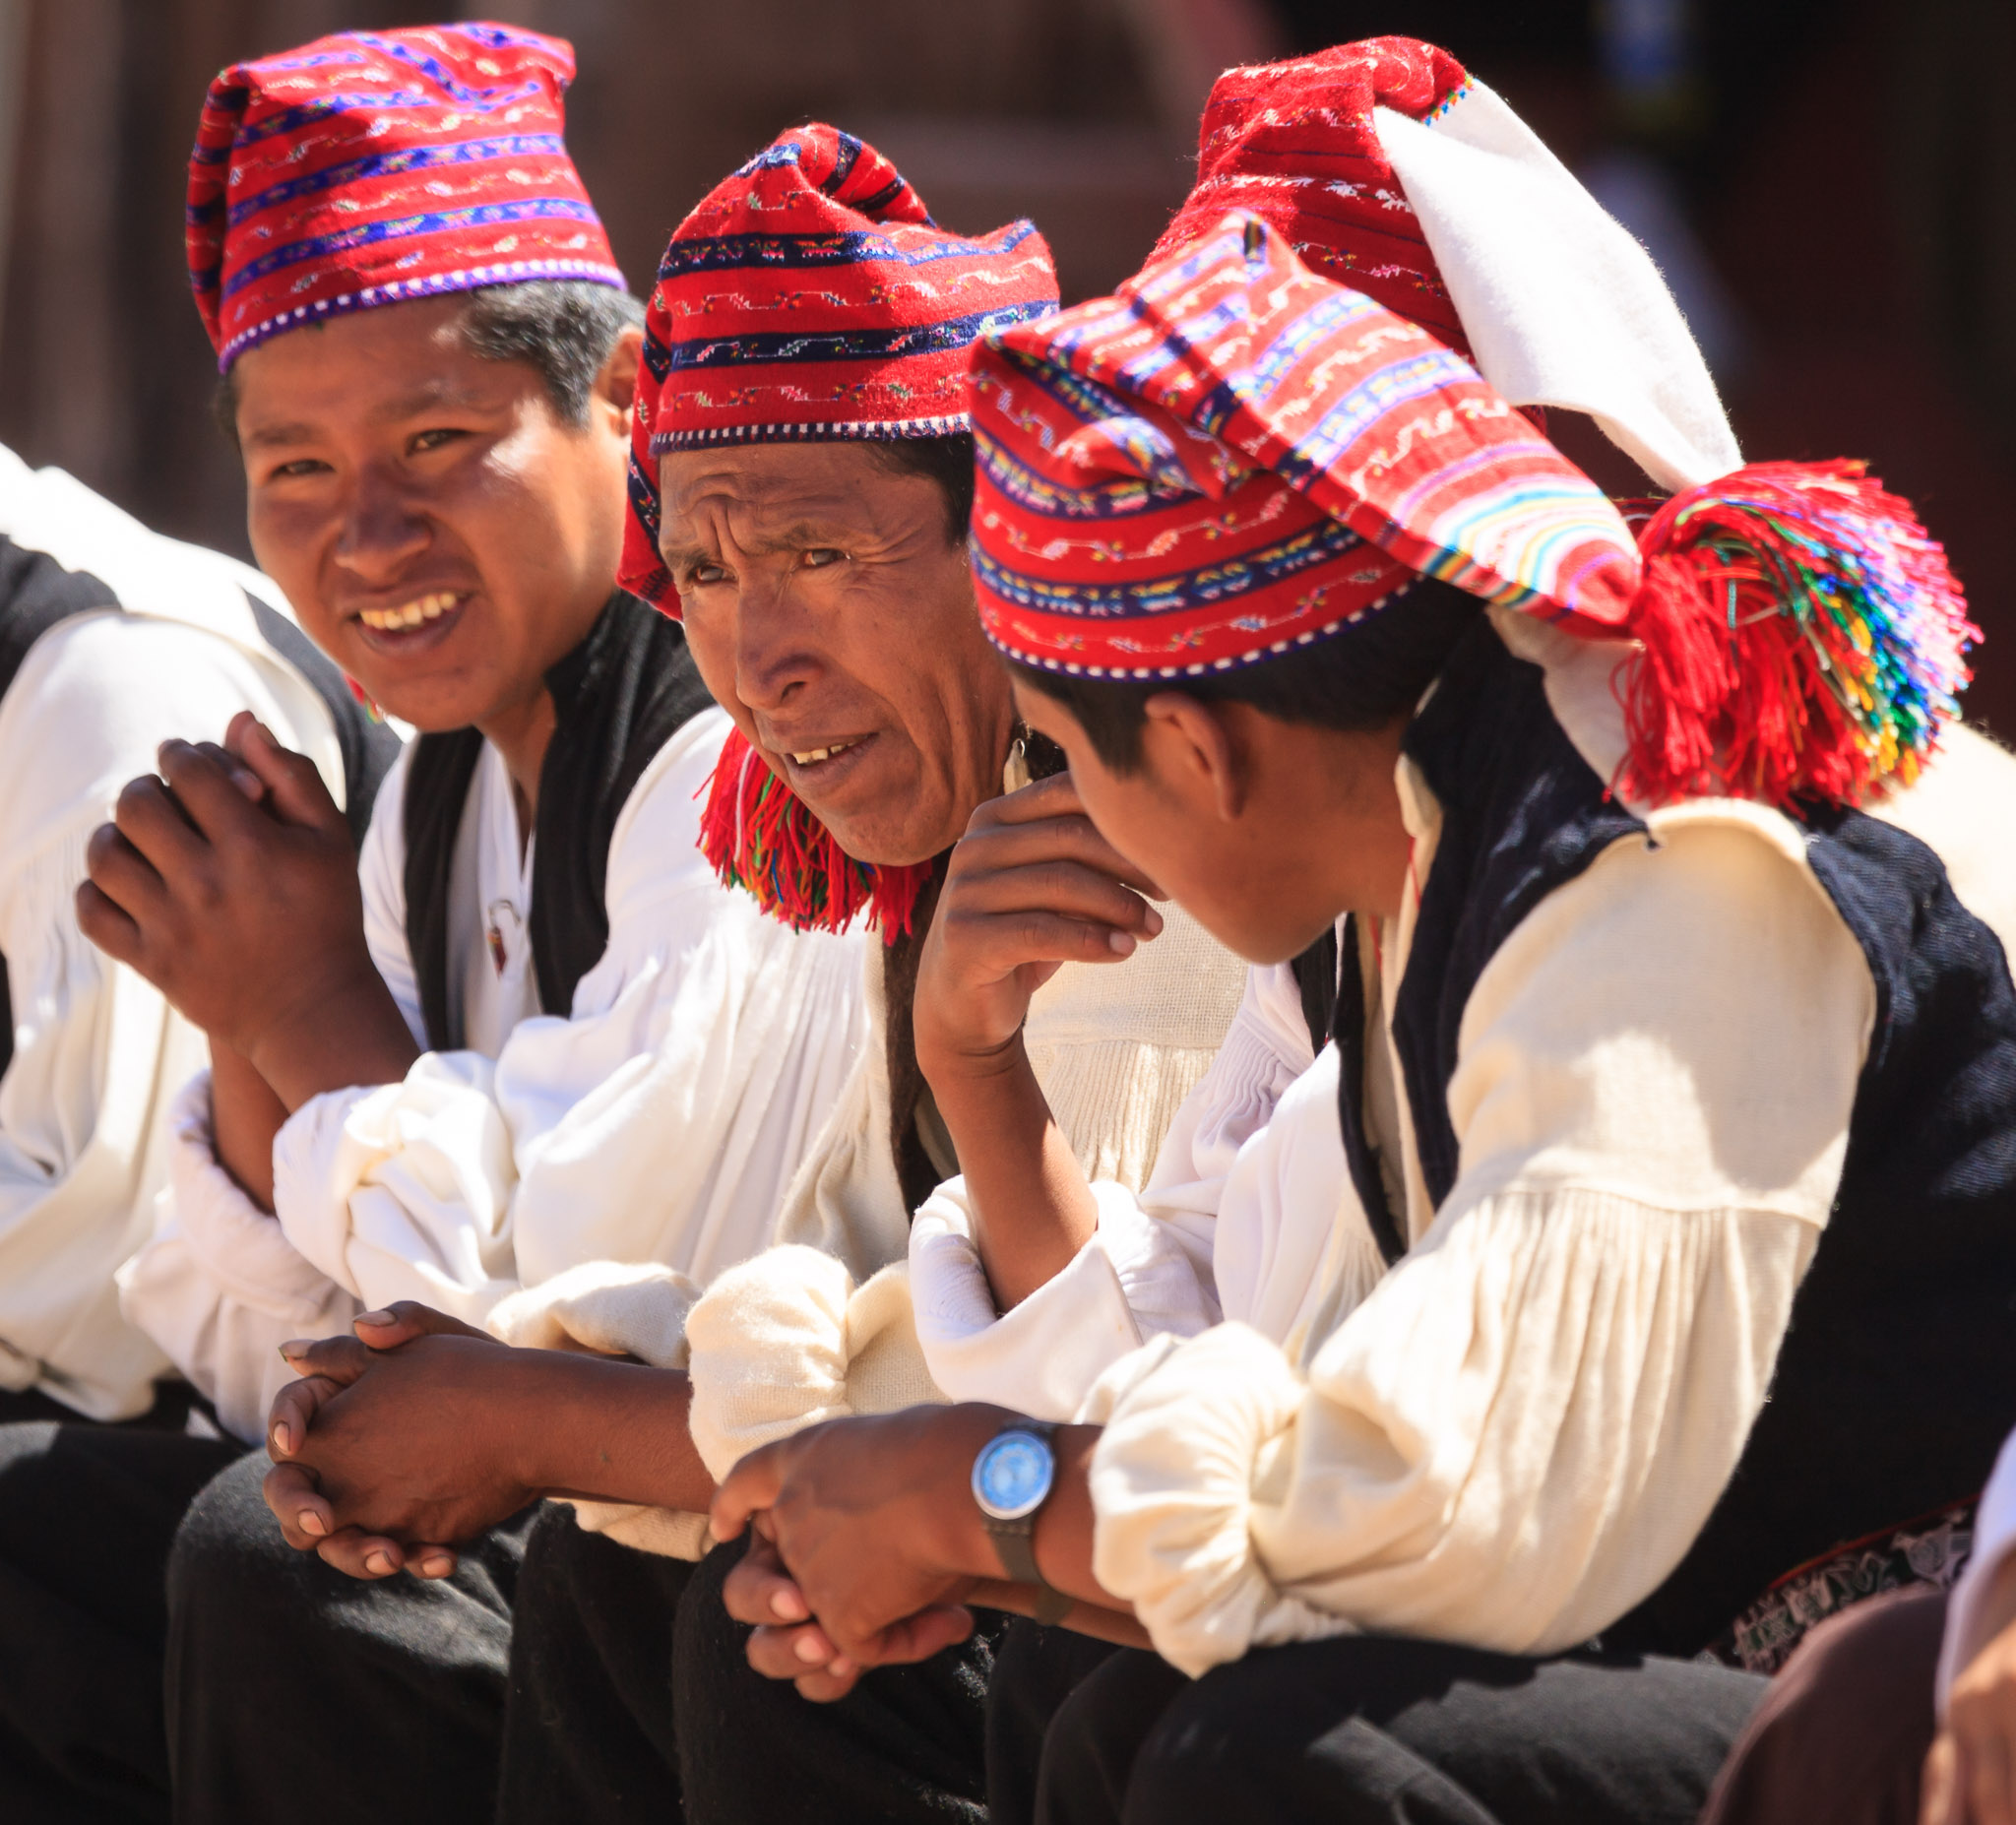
<point x="1829" y="184"/>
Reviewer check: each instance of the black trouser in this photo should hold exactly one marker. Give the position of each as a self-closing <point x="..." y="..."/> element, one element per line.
<point x="298" y="1693"/>
<point x="86" y="1515"/>
<point x="588" y="1726"/>
<point x="1365" y="1728"/>
<point x="906" y="1744"/>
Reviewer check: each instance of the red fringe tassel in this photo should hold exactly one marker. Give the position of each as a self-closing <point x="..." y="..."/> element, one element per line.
<point x="760" y="837"/>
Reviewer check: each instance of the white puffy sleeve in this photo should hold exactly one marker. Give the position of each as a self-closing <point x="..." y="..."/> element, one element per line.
<point x="1514" y="1436"/>
<point x="1146" y="1271"/>
<point x="659" y="1123"/>
<point x="97" y="1055"/>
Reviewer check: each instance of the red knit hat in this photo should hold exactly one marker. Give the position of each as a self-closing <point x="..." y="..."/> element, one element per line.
<point x="1234" y="457"/>
<point x="370" y="168"/>
<point x="810" y="297"/>
<point x="1297" y="144"/>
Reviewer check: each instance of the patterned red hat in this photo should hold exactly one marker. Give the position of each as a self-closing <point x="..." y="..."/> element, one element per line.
<point x="1234" y="457"/>
<point x="810" y="296"/>
<point x="1389" y="169"/>
<point x="370" y="168"/>
<point x="1297" y="144"/>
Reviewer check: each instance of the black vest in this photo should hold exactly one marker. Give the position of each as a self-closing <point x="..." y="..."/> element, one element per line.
<point x="36" y="594"/>
<point x="618" y="698"/>
<point x="1897" y="1380"/>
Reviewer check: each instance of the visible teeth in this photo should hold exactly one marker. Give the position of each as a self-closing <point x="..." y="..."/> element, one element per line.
<point x="811" y="755"/>
<point x="410" y="615"/>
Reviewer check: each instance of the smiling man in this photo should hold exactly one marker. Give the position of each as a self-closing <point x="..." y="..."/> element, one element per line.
<point x="531" y="1027"/>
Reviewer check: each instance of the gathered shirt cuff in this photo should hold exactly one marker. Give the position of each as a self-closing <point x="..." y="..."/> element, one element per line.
<point x="1511" y="1442"/>
<point x="786" y="1340"/>
<point x="218" y="1286"/>
<point x="402" y="1191"/>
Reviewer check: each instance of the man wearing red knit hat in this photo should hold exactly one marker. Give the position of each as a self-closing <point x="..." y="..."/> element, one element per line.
<point x="530" y="1029"/>
<point x="799" y="488"/>
<point x="1626" y="1285"/>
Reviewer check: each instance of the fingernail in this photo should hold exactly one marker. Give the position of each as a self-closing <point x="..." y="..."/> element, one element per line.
<point x="282" y="1439"/>
<point x="309" y="1522"/>
<point x="840" y="1666"/>
<point x="807" y="1649"/>
<point x="1122" y="942"/>
<point x="299" y="1347"/>
<point x="376" y="1319"/>
<point x="438" y="1565"/>
<point x="790" y="1605"/>
<point x="1152" y="921"/>
<point x="378" y="1563"/>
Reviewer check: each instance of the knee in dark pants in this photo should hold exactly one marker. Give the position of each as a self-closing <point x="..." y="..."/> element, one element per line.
<point x="1093" y="1747"/>
<point x="229" y="1547"/>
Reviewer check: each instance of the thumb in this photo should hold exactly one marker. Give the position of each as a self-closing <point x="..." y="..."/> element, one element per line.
<point x="751" y="1486"/>
<point x="293" y="785"/>
<point x="405" y="1319"/>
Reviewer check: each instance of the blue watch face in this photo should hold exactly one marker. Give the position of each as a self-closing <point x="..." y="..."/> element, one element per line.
<point x="1012" y="1474"/>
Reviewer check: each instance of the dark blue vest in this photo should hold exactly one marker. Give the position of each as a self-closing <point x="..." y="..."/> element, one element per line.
<point x="1897" y="1380"/>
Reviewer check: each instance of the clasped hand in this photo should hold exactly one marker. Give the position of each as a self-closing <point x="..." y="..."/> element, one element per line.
<point x="383" y="1454"/>
<point x="229" y="882"/>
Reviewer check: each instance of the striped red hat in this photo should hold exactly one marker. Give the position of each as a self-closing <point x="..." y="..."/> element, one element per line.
<point x="1298" y="144"/>
<point x="1234" y="457"/>
<point x="370" y="168"/>
<point x="810" y="296"/>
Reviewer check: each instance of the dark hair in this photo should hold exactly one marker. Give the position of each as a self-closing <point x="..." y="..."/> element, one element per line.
<point x="1357" y="679"/>
<point x="564" y="327"/>
<point x="947" y="461"/>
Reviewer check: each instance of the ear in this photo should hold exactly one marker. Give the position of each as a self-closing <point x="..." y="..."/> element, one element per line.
<point x="616" y="387"/>
<point x="1194" y="748"/>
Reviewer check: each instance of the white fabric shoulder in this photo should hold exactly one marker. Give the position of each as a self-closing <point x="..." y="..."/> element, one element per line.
<point x="164" y="579"/>
<point x="1512" y="1438"/>
<point x="97" y="1053"/>
<point x="1561" y="305"/>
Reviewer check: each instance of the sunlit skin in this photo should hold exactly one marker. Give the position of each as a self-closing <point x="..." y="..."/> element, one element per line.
<point x="828" y="606"/>
<point x="387" y="466"/>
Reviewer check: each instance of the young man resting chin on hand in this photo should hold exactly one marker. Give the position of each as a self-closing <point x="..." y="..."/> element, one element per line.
<point x="1515" y="1262"/>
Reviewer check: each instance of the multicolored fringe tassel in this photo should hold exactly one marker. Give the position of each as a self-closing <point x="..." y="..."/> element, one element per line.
<point x="1804" y="638"/>
<point x="758" y="835"/>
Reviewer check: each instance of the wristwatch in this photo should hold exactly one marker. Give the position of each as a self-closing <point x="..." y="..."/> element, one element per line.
<point x="1011" y="1480"/>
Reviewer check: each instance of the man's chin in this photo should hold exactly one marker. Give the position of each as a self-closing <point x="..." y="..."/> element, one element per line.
<point x="890" y="835"/>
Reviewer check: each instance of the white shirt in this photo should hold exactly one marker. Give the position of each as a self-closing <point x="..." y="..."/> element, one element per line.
<point x="1514" y="1436"/>
<point x="97" y="1053"/>
<point x="658" y="1123"/>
